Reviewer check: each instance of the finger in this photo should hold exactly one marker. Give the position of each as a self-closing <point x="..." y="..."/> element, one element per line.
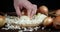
<point x="34" y="10"/>
<point x="28" y="9"/>
<point x="29" y="12"/>
<point x="18" y="10"/>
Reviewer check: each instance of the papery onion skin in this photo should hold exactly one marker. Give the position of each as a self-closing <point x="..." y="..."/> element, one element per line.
<point x="48" y="21"/>
<point x="2" y="21"/>
<point x="58" y="12"/>
<point x="43" y="9"/>
<point x="56" y="22"/>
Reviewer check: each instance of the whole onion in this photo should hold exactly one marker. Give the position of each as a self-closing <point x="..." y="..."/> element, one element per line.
<point x="43" y="9"/>
<point x="56" y="22"/>
<point x="48" y="21"/>
<point x="2" y="21"/>
<point x="58" y="12"/>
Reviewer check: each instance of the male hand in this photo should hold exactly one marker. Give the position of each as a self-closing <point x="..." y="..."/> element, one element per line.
<point x="19" y="4"/>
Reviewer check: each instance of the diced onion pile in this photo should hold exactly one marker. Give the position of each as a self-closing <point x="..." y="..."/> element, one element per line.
<point x="24" y="21"/>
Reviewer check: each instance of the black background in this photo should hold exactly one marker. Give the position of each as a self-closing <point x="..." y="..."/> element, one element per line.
<point x="7" y="5"/>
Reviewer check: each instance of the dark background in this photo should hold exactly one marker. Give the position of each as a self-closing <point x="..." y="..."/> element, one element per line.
<point x="7" y="5"/>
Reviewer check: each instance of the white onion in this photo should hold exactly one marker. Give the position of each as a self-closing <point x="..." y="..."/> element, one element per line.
<point x="26" y="21"/>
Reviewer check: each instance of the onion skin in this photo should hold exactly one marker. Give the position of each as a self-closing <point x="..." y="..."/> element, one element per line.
<point x="2" y="21"/>
<point x="56" y="22"/>
<point x="48" y="21"/>
<point x="43" y="9"/>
